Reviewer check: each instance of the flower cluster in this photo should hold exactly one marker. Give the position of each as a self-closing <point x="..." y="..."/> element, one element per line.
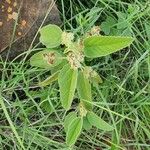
<point x="75" y="59"/>
<point x="67" y="38"/>
<point x="50" y="58"/>
<point x="82" y="109"/>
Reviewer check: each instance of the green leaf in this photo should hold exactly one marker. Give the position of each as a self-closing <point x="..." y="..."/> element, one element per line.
<point x="46" y="59"/>
<point x="74" y="131"/>
<point x="110" y="21"/>
<point x="84" y="90"/>
<point x="96" y="79"/>
<point x="122" y="20"/>
<point x="105" y="28"/>
<point x="98" y="122"/>
<point x="60" y="66"/>
<point x="126" y="32"/>
<point x="86" y="124"/>
<point x="50" y="79"/>
<point x="98" y="46"/>
<point x="67" y="80"/>
<point x="133" y="9"/>
<point x="68" y="119"/>
<point x="46" y="106"/>
<point x="50" y="36"/>
<point x="107" y="25"/>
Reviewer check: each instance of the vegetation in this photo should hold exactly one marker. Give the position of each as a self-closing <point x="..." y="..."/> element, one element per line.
<point x="69" y="67"/>
<point x="32" y="116"/>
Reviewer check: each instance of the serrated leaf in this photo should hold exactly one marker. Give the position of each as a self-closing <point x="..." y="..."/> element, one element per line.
<point x="86" y="124"/>
<point x="50" y="79"/>
<point x="98" y="46"/>
<point x="84" y="90"/>
<point x="122" y="20"/>
<point x="68" y="119"/>
<point x="50" y="36"/>
<point x="45" y="59"/>
<point x="67" y="80"/>
<point x="74" y="131"/>
<point x="106" y="26"/>
<point x="98" y="122"/>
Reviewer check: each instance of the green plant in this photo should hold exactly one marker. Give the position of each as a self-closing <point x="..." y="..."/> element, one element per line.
<point x="64" y="56"/>
<point x="122" y="25"/>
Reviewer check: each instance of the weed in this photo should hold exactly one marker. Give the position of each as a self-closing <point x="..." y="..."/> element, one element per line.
<point x="74" y="74"/>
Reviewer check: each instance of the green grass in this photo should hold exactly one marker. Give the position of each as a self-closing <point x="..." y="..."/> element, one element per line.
<point x="123" y="99"/>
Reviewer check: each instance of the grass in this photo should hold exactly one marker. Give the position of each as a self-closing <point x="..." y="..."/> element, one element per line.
<point x="123" y="99"/>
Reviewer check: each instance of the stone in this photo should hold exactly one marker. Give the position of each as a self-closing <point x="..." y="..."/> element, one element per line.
<point x="20" y="21"/>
